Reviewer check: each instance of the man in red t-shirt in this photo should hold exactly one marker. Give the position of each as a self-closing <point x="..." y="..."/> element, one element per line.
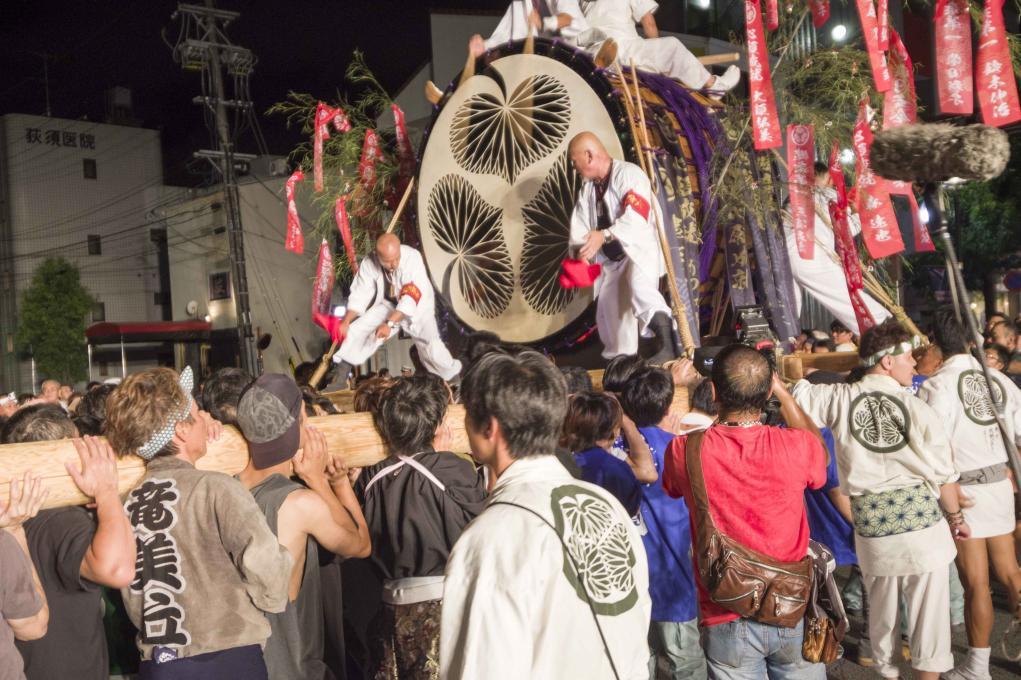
<point x="755" y="479"/>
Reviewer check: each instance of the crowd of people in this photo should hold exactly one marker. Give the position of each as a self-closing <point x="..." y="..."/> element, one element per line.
<point x="576" y="540"/>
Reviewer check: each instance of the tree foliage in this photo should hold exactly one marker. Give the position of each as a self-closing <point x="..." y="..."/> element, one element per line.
<point x="51" y="321"/>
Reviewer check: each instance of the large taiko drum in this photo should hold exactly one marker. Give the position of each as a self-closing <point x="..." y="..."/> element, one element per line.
<point x="496" y="187"/>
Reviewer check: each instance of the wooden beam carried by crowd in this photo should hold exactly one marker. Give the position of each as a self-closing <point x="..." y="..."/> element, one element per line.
<point x="794" y="365"/>
<point x="714" y="59"/>
<point x="351" y="436"/>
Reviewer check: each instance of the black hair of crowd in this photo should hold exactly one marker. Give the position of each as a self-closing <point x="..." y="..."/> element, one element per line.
<point x="647" y="396"/>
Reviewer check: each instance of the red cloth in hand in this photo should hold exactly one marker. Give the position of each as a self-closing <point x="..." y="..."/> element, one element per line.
<point x="330" y="324"/>
<point x="578" y="273"/>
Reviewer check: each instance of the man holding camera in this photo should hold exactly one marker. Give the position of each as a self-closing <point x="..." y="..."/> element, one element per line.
<point x="754" y="478"/>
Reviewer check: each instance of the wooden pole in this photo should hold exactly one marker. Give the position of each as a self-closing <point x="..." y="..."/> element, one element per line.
<point x="629" y="108"/>
<point x="351" y="436"/>
<point x="679" y="308"/>
<point x="324" y="364"/>
<point x="400" y="206"/>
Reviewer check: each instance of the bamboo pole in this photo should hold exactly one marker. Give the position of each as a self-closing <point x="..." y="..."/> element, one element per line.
<point x="629" y="108"/>
<point x="350" y="436"/>
<point x="400" y="206"/>
<point x="324" y="364"/>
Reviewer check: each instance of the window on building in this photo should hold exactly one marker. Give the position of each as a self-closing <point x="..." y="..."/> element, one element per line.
<point x="95" y="244"/>
<point x="89" y="168"/>
<point x="98" y="312"/>
<point x="104" y="368"/>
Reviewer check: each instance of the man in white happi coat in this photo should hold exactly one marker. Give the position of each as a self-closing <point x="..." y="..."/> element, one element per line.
<point x="390" y="292"/>
<point x="613" y="224"/>
<point x="895" y="464"/>
<point x="958" y="394"/>
<point x="547" y="18"/>
<point x="551" y="579"/>
<point x="614" y="20"/>
<point x="822" y="276"/>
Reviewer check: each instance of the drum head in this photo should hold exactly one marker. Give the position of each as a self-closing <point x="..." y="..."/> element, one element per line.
<point x="496" y="191"/>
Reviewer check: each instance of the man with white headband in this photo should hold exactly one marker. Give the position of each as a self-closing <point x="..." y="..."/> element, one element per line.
<point x="896" y="465"/>
<point x="207" y="564"/>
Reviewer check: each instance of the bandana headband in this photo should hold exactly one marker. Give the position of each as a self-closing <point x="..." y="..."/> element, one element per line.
<point x="895" y="350"/>
<point x="162" y="437"/>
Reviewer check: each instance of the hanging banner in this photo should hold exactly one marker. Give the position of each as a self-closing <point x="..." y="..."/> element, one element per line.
<point x="322" y="287"/>
<point x="900" y="104"/>
<point x="994" y="71"/>
<point x="294" y="242"/>
<point x="344" y="227"/>
<point x="800" y="181"/>
<point x="325" y="116"/>
<point x="820" y="12"/>
<point x="405" y="154"/>
<point x="883" y="20"/>
<point x="772" y="15"/>
<point x="848" y="255"/>
<point x="954" y="85"/>
<point x="837" y="176"/>
<point x="877" y="59"/>
<point x="878" y="222"/>
<point x="765" y="123"/>
<point x="371" y="154"/>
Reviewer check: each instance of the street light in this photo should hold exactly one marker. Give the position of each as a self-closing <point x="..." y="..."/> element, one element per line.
<point x="838" y="33"/>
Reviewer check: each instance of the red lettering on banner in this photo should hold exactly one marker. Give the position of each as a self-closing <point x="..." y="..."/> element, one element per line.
<point x="801" y="179"/>
<point x="994" y="71"/>
<point x="412" y="291"/>
<point x="877" y="59"/>
<point x="325" y="116"/>
<point x="765" y="123"/>
<point x="322" y="287"/>
<point x="637" y="203"/>
<point x="878" y="222"/>
<point x="344" y="227"/>
<point x="820" y="12"/>
<point x="294" y="242"/>
<point x="954" y="84"/>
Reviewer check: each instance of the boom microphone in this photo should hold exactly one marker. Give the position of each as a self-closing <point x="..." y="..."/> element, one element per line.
<point x="935" y="152"/>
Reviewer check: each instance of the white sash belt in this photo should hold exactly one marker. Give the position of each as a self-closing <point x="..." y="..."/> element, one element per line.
<point x="413" y="589"/>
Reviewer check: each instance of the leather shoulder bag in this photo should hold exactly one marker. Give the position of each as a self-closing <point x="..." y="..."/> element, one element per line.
<point x="737" y="578"/>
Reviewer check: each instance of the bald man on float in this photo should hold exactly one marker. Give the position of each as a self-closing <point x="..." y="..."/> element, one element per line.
<point x="613" y="225"/>
<point x="392" y="292"/>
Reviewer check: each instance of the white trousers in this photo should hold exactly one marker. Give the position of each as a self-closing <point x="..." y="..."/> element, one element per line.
<point x="824" y="279"/>
<point x="668" y="56"/>
<point x="927" y="599"/>
<point x="628" y="299"/>
<point x="361" y="342"/>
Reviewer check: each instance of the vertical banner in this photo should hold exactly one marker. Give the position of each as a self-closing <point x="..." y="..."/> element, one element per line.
<point x="800" y="181"/>
<point x="954" y="85"/>
<point x="820" y="12"/>
<point x="772" y="15"/>
<point x="322" y="287"/>
<point x="900" y="104"/>
<point x="765" y="123"/>
<point x="870" y="29"/>
<point x="371" y="153"/>
<point x="878" y="222"/>
<point x="325" y="116"/>
<point x="405" y="155"/>
<point x="344" y="227"/>
<point x="294" y="242"/>
<point x="883" y="21"/>
<point x="994" y="71"/>
<point x="844" y="244"/>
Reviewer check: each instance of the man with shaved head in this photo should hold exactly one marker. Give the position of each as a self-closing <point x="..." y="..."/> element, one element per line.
<point x="391" y="292"/>
<point x="613" y="224"/>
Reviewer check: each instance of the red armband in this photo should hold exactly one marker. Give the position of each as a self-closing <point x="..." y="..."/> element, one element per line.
<point x="637" y="203"/>
<point x="411" y="290"/>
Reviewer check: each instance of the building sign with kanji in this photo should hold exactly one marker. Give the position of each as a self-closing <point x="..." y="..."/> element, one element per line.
<point x="77" y="140"/>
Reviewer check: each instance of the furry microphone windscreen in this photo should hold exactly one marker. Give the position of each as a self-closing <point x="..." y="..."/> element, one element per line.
<point x="935" y="152"/>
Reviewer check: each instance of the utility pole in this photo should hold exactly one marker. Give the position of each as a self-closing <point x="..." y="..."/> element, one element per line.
<point x="204" y="47"/>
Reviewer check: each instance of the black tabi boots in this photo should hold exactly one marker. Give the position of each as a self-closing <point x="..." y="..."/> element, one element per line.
<point x="662" y="327"/>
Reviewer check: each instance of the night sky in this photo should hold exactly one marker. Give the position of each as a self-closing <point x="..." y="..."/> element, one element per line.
<point x="302" y="45"/>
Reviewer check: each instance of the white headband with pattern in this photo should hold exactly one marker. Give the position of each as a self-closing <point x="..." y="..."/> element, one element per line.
<point x="162" y="437"/>
<point x="899" y="348"/>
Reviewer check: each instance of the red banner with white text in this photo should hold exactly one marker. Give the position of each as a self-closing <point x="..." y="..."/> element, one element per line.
<point x="877" y="58"/>
<point x="294" y="242"/>
<point x="765" y="122"/>
<point x="954" y="84"/>
<point x="878" y="221"/>
<point x="371" y="155"/>
<point x="772" y="15"/>
<point x="344" y="227"/>
<point x="820" y="12"/>
<point x="844" y="244"/>
<point x="325" y="117"/>
<point x="994" y="71"/>
<point x="801" y="180"/>
<point x="900" y="104"/>
<point x="322" y="287"/>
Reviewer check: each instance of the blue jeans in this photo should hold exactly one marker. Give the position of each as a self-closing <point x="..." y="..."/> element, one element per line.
<point x="748" y="650"/>
<point x="678" y="644"/>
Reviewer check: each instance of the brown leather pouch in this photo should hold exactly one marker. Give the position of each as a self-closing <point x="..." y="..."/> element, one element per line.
<point x="739" y="579"/>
